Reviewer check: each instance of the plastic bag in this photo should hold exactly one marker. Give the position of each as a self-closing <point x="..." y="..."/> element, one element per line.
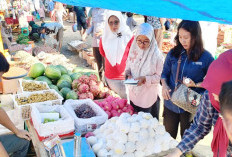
<point x="90" y="124"/>
<point x="74" y="27"/>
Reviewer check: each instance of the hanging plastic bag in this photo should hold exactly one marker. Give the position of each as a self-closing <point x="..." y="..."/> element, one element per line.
<point x="74" y="27"/>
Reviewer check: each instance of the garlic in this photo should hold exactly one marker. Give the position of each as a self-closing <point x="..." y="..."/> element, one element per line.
<point x="92" y="140"/>
<point x="135" y="127"/>
<point x="130" y="147"/>
<point x="119" y="149"/>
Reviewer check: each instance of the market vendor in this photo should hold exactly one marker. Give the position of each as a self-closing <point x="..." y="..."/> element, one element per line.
<point x="55" y="28"/>
<point x="16" y="144"/>
<point x="34" y="34"/>
<point x="7" y="39"/>
<point x="211" y="108"/>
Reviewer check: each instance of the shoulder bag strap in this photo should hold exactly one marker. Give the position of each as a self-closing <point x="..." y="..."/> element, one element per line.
<point x="177" y="72"/>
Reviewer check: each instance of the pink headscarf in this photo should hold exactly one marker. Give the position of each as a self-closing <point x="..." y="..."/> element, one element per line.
<point x="220" y="71"/>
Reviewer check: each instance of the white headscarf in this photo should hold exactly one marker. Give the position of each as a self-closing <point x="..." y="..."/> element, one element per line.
<point x="113" y="45"/>
<point x="144" y="62"/>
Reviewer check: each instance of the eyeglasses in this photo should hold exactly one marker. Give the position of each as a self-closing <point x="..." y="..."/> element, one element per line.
<point x="111" y="23"/>
<point x="139" y="42"/>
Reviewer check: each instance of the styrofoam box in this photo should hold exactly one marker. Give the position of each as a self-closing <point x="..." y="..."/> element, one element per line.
<point x="21" y="90"/>
<point x="62" y="126"/>
<point x="89" y="124"/>
<point x="26" y="108"/>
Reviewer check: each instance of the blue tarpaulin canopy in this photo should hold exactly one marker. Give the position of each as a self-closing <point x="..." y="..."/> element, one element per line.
<point x="197" y="10"/>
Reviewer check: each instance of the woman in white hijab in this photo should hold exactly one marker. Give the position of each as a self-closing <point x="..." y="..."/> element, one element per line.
<point x="114" y="47"/>
<point x="145" y="64"/>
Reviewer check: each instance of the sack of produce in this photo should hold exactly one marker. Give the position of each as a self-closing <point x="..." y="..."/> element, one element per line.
<point x="87" y="115"/>
<point x="51" y="120"/>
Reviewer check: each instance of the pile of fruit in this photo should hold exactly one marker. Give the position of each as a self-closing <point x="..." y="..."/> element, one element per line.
<point x="33" y="86"/>
<point x="33" y="98"/>
<point x="131" y="136"/>
<point x="56" y="77"/>
<point x="84" y="111"/>
<point x="114" y="107"/>
<point x="80" y="83"/>
<point x="89" y="87"/>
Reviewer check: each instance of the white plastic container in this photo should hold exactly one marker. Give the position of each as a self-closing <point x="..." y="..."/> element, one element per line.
<point x="65" y="125"/>
<point x="89" y="124"/>
<point x="21" y="90"/>
<point x="26" y="108"/>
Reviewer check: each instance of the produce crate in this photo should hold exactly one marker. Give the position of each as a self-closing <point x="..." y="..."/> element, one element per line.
<point x="26" y="108"/>
<point x="90" y="124"/>
<point x="21" y="90"/>
<point x="62" y="127"/>
<point x="77" y="46"/>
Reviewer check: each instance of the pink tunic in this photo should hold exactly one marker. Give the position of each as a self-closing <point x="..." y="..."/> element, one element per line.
<point x="148" y="95"/>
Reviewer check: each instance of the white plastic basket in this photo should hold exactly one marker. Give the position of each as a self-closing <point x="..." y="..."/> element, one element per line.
<point x="26" y="108"/>
<point x="21" y="90"/>
<point x="89" y="124"/>
<point x="65" y="125"/>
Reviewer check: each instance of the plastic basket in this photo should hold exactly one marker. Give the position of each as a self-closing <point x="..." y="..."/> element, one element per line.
<point x="26" y="108"/>
<point x="21" y="90"/>
<point x="62" y="127"/>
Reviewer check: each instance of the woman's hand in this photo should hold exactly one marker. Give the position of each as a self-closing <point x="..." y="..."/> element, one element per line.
<point x="128" y="75"/>
<point x="175" y="153"/>
<point x="188" y="82"/>
<point x="166" y="92"/>
<point x="142" y="80"/>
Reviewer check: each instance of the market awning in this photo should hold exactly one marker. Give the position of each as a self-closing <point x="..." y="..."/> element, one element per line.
<point x="196" y="10"/>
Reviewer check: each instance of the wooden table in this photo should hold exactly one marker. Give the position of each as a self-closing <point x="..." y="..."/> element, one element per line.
<point x="38" y="145"/>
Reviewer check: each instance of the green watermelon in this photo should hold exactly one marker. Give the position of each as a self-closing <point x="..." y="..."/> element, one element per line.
<point x="75" y="76"/>
<point x="70" y="72"/>
<point x="78" y="69"/>
<point x="36" y="70"/>
<point x="66" y="77"/>
<point x="72" y="95"/>
<point x="60" y="93"/>
<point x="62" y="69"/>
<point x="53" y="72"/>
<point x="51" y="86"/>
<point x="65" y="91"/>
<point x="44" y="79"/>
<point x="54" y="81"/>
<point x="63" y="83"/>
<point x="28" y="78"/>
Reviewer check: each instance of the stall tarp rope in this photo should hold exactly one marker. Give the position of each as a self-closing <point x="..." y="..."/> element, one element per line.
<point x="196" y="10"/>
